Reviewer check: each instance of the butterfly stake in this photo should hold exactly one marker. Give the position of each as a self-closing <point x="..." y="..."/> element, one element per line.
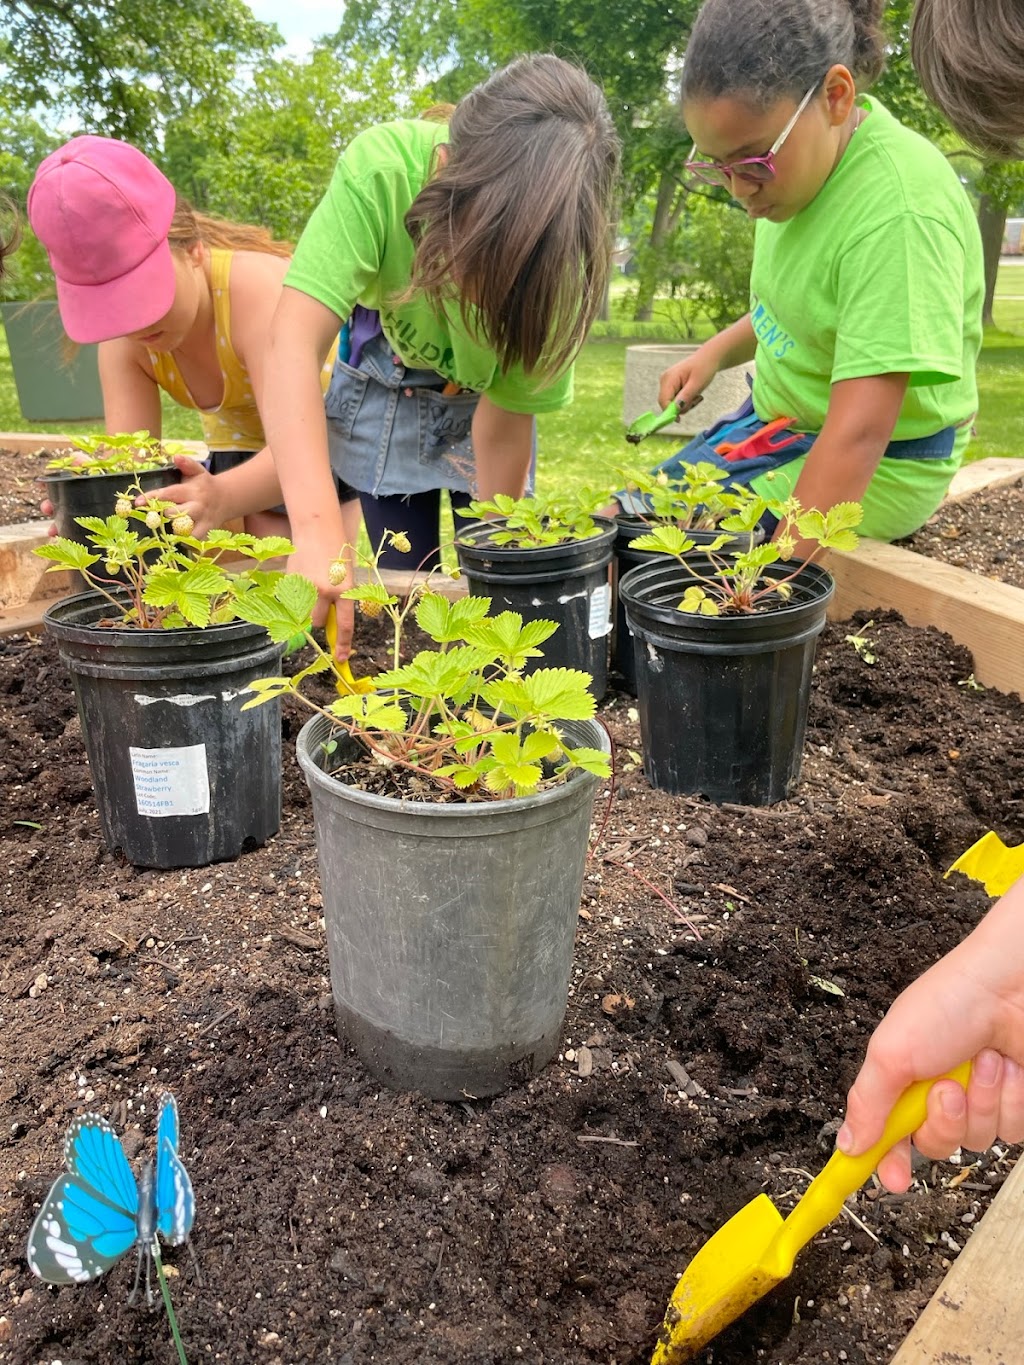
<point x="96" y="1212"/>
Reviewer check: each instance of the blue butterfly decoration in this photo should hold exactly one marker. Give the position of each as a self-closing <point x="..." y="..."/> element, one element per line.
<point x="96" y="1213"/>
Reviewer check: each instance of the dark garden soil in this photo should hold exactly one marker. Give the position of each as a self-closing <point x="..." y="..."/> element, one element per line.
<point x="984" y="533"/>
<point x="337" y="1221"/>
<point x="19" y="493"/>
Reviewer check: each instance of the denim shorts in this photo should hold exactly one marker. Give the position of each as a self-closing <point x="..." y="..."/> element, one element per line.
<point x="391" y="430"/>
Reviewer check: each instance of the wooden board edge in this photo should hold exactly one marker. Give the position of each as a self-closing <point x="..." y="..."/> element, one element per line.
<point x="995" y="472"/>
<point x="977" y="1312"/>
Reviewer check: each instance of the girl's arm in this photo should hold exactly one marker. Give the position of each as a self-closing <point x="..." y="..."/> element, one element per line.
<point x="736" y="345"/>
<point x="503" y="446"/>
<point x="861" y="418"/>
<point x="131" y="396"/>
<point x="296" y="429"/>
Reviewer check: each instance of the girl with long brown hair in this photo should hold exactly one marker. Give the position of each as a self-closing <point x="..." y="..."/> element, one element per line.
<point x="485" y="245"/>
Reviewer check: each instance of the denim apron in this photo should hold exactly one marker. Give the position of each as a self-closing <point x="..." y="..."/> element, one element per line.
<point x="747" y="447"/>
<point x="391" y="429"/>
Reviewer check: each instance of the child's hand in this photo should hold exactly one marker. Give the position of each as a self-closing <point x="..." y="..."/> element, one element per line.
<point x="969" y="1005"/>
<point x="687" y="379"/>
<point x="197" y="495"/>
<point x="314" y="561"/>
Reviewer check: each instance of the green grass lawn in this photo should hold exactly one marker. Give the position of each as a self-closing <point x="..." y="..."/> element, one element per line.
<point x="584" y="444"/>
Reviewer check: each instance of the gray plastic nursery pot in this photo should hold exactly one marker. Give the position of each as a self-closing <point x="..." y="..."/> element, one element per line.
<point x="183" y="776"/>
<point x="450" y="926"/>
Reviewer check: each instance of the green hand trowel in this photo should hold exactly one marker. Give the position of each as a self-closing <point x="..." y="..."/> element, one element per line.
<point x="990" y="861"/>
<point x="651" y="422"/>
<point x="756" y="1248"/>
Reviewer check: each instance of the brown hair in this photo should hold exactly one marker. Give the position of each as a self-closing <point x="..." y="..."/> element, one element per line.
<point x="189" y="226"/>
<point x="768" y="49"/>
<point x="970" y="56"/>
<point x="9" y="241"/>
<point x="516" y="222"/>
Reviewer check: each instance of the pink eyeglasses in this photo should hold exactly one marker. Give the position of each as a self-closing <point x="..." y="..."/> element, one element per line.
<point x="757" y="169"/>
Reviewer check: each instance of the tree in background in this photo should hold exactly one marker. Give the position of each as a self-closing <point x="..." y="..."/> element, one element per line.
<point x="271" y="162"/>
<point x="125" y="67"/>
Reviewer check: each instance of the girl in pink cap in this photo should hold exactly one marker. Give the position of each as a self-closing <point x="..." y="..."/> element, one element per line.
<point x="179" y="301"/>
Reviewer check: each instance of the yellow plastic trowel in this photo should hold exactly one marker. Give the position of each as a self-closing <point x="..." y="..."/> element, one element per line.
<point x="990" y="862"/>
<point x="756" y="1249"/>
<point x="346" y="684"/>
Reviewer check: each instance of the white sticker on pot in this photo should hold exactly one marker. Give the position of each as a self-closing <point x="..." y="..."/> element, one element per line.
<point x="601" y="611"/>
<point x="171" y="781"/>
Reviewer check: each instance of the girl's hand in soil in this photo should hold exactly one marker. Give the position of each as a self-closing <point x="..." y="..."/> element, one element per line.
<point x="970" y="1004"/>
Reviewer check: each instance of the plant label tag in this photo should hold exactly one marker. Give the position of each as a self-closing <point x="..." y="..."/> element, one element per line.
<point x="171" y="781"/>
<point x="601" y="611"/>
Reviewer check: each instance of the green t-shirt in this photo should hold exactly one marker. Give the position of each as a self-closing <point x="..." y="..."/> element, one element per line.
<point x="881" y="273"/>
<point x="355" y="249"/>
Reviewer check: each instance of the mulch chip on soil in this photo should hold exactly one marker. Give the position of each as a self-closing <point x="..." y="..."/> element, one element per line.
<point x="730" y="967"/>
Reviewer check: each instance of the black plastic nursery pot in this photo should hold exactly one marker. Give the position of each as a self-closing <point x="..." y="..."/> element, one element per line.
<point x="564" y="583"/>
<point x="628" y="529"/>
<point x="450" y="926"/>
<point x="95" y="495"/>
<point x="183" y="776"/>
<point x="723" y="699"/>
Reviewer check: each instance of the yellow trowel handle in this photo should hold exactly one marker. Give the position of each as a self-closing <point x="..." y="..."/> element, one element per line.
<point x="826" y="1194"/>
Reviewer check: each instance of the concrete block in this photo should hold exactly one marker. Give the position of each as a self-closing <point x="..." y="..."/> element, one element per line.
<point x="644" y="368"/>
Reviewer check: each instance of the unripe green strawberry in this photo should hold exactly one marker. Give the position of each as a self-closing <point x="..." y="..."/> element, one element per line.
<point x="336" y="572"/>
<point x="401" y="542"/>
<point x="110" y="567"/>
<point x="122" y="507"/>
<point x="154" y="520"/>
<point x="183" y="525"/>
<point x="371" y="608"/>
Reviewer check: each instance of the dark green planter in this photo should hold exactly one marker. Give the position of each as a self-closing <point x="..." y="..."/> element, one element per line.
<point x="51" y="387"/>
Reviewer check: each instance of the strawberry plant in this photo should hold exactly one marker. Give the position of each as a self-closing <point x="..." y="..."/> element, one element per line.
<point x="130" y="452"/>
<point x="696" y="501"/>
<point x="167" y="579"/>
<point x="464" y="714"/>
<point x="536" y="522"/>
<point x="736" y="582"/>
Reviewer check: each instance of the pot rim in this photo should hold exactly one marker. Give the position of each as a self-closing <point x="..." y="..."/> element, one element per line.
<point x="474" y="537"/>
<point x="444" y="810"/>
<point x="817" y="581"/>
<point x="69" y="475"/>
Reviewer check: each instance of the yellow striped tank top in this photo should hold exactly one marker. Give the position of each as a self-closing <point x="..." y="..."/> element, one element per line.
<point x="235" y="423"/>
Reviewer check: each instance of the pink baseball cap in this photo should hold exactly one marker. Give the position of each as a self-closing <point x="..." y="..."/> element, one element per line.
<point x="102" y="210"/>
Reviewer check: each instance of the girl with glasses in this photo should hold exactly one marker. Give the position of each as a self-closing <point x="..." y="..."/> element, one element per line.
<point x="867" y="281"/>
